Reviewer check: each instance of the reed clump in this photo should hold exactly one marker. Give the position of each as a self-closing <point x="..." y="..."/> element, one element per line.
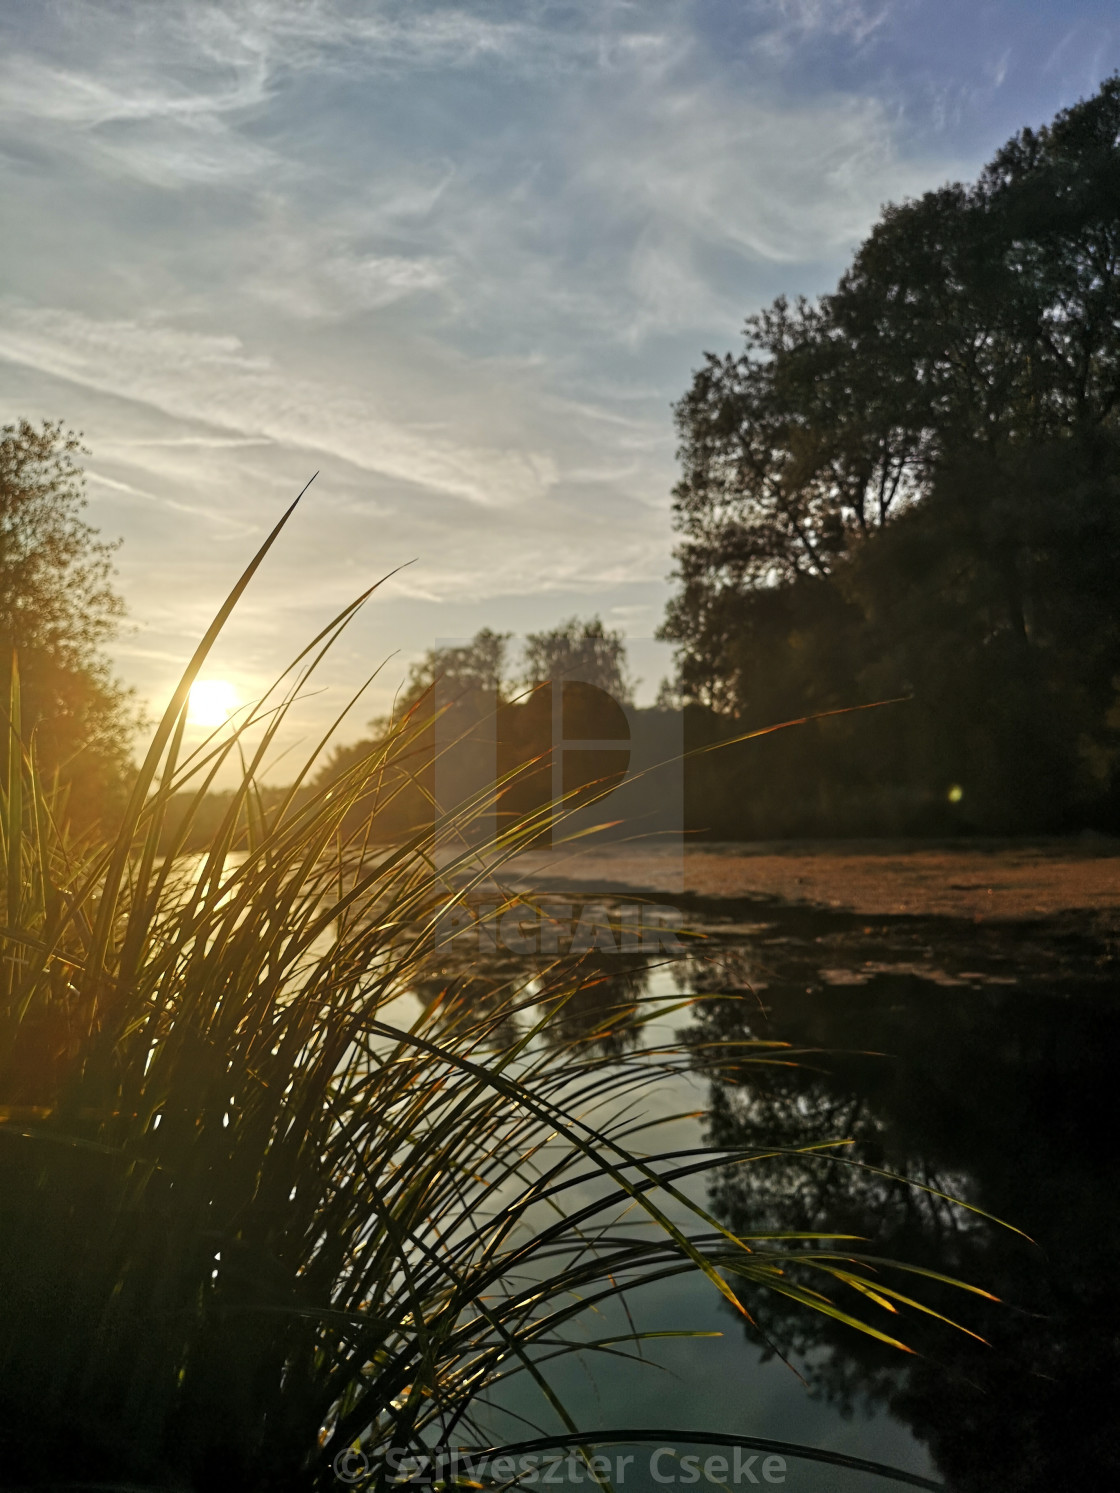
<point x="259" y="1204"/>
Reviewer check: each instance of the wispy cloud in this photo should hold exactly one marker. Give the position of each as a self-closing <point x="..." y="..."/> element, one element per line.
<point x="212" y="378"/>
<point x="459" y="256"/>
<point x="787" y="24"/>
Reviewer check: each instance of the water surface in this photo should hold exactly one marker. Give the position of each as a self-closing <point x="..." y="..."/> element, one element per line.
<point x="978" y="1060"/>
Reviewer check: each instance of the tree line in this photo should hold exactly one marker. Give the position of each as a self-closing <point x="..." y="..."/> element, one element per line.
<point x="910" y="488"/>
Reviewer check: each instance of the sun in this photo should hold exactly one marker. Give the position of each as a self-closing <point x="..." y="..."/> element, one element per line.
<point x="212" y="702"/>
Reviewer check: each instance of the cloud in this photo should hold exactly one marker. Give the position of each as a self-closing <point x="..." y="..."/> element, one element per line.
<point x="790" y="22"/>
<point x="615" y="202"/>
<point x="324" y="272"/>
<point x="213" y="379"/>
<point x="670" y="198"/>
<point x="460" y="257"/>
<point x="783" y="183"/>
<point x="194" y="64"/>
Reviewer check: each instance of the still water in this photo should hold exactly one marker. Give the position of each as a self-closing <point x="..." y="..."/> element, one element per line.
<point x="978" y="1060"/>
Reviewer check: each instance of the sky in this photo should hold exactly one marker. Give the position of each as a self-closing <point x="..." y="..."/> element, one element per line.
<point x="459" y="260"/>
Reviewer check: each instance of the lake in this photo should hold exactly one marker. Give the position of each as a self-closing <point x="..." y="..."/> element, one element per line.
<point x="975" y="1059"/>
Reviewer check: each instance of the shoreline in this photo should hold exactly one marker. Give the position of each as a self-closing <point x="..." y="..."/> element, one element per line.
<point x="977" y="881"/>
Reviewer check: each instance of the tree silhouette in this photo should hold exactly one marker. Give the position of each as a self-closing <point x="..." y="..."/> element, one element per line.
<point x="912" y="487"/>
<point x="999" y="1094"/>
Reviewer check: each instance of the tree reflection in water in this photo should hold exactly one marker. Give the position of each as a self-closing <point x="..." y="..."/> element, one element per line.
<point x="994" y="1092"/>
<point x="978" y="1062"/>
<point x="597" y="995"/>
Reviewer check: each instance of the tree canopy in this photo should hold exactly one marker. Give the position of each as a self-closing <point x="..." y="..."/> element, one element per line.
<point x="460" y="669"/>
<point x="912" y="487"/>
<point x="581" y="650"/>
<point x="57" y="611"/>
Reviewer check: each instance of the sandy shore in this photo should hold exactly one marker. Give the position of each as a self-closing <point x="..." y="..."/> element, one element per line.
<point x="975" y="880"/>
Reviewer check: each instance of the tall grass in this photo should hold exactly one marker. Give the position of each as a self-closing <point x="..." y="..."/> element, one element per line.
<point x="258" y="1205"/>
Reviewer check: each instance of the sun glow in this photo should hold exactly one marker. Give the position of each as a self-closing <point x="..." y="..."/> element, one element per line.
<point x="212" y="702"/>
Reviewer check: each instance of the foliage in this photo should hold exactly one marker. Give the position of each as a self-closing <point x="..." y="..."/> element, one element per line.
<point x="912" y="487"/>
<point x="479" y="665"/>
<point x="259" y="1203"/>
<point x="582" y="650"/>
<point x="57" y="611"/>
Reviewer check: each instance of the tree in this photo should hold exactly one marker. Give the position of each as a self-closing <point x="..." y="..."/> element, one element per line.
<point x="450" y="693"/>
<point x="57" y="611"/>
<point x="580" y="650"/>
<point x="913" y="486"/>
<point x="479" y="665"/>
<point x="466" y="725"/>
